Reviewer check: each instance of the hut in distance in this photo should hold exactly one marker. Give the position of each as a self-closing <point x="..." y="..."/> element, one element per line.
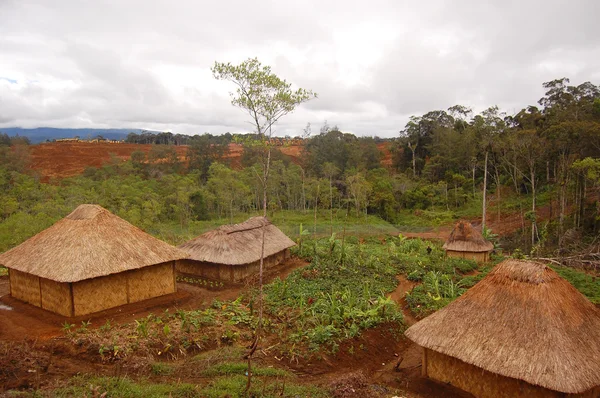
<point x="468" y="243"/>
<point x="90" y="261"/>
<point x="231" y="253"/>
<point x="523" y="331"/>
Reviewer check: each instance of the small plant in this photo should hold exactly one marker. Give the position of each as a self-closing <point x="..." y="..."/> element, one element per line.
<point x="84" y="326"/>
<point x="106" y="327"/>
<point x="142" y="326"/>
<point x="229" y="336"/>
<point x="67" y="327"/>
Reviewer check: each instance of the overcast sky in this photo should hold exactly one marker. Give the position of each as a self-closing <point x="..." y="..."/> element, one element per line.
<point x="146" y="64"/>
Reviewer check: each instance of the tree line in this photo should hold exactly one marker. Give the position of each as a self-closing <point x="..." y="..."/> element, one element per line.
<point x="443" y="160"/>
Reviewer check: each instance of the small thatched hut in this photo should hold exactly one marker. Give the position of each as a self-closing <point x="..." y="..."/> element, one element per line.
<point x="523" y="331"/>
<point x="231" y="253"/>
<point x="467" y="242"/>
<point x="89" y="261"/>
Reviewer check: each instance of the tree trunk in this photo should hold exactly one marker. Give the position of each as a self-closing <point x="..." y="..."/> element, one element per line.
<point x="414" y="162"/>
<point x="483" y="211"/>
<point x="473" y="180"/>
<point x="533" y="220"/>
<point x="330" y="206"/>
<point x="316" y="206"/>
<point x="446" y="190"/>
<point x="498" y="189"/>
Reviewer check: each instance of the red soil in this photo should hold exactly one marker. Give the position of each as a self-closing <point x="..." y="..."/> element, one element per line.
<point x="67" y="159"/>
<point x="386" y="154"/>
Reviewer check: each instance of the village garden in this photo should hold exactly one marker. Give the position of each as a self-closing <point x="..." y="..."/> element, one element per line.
<point x="318" y="312"/>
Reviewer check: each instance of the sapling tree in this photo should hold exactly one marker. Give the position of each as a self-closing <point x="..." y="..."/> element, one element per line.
<point x="266" y="98"/>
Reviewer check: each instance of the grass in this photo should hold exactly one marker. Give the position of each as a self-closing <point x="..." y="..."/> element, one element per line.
<point x="240" y="368"/>
<point x="233" y="386"/>
<point x="86" y="386"/>
<point x="3" y="271"/>
<point x="587" y="284"/>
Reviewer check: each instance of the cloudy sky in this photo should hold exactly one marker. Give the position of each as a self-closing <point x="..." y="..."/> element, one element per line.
<point x="146" y="64"/>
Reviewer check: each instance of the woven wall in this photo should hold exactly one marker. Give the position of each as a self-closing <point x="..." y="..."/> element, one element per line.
<point x="481" y="383"/>
<point x="25" y="287"/>
<point x="153" y="281"/>
<point x="93" y="295"/>
<point x="56" y="297"/>
<point x="227" y="272"/>
<point x="480" y="257"/>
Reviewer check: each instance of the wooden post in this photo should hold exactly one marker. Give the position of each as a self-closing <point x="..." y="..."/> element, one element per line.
<point x="175" y="275"/>
<point x="72" y="299"/>
<point x="40" y="285"/>
<point x="424" y="363"/>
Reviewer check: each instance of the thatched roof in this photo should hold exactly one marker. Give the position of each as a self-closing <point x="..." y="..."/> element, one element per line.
<point x="465" y="238"/>
<point x="521" y="321"/>
<point x="88" y="243"/>
<point x="237" y="244"/>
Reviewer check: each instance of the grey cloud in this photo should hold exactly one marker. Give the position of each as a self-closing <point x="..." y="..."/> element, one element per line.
<point x="99" y="63"/>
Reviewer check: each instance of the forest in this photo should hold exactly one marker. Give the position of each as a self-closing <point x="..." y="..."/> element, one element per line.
<point x="446" y="164"/>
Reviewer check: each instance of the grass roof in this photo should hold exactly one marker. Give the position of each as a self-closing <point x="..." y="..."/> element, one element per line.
<point x="521" y="321"/>
<point x="238" y="244"/>
<point x="465" y="238"/>
<point x="88" y="243"/>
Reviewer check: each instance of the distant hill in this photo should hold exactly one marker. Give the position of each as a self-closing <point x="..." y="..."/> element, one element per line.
<point x="41" y="134"/>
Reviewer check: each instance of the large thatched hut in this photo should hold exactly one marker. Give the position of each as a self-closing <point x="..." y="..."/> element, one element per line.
<point x="231" y="253"/>
<point x="467" y="242"/>
<point x="523" y="331"/>
<point x="89" y="261"/>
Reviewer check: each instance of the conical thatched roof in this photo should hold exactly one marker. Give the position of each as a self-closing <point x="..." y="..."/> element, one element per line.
<point x="237" y="244"/>
<point x="465" y="238"/>
<point x="88" y="243"/>
<point x="521" y="321"/>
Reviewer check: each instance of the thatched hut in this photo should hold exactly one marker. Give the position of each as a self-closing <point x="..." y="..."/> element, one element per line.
<point x="523" y="331"/>
<point x="89" y="261"/>
<point x="231" y="253"/>
<point x="467" y="242"/>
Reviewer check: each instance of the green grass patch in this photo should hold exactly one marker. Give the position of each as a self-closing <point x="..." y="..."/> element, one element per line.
<point x="240" y="368"/>
<point x="161" y="368"/>
<point x="231" y="386"/>
<point x="235" y="386"/>
<point x="587" y="284"/>
<point x="84" y="386"/>
<point x="3" y="271"/>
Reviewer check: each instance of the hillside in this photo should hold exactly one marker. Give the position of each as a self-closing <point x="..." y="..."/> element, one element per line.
<point x="67" y="159"/>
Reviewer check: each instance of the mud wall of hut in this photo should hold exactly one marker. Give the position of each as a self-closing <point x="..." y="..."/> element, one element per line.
<point x="228" y="272"/>
<point x="482" y="383"/>
<point x="480" y="257"/>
